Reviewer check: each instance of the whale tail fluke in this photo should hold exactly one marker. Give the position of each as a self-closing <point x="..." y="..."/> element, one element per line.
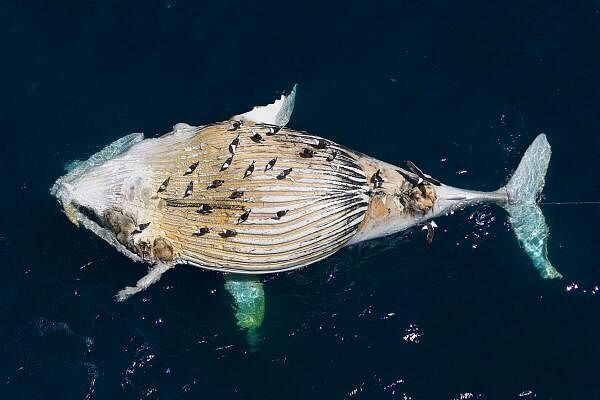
<point x="526" y="217"/>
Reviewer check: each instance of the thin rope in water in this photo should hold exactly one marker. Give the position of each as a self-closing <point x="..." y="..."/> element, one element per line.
<point x="562" y="203"/>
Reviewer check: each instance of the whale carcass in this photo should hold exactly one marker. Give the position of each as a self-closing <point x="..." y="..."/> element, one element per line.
<point x="251" y="195"/>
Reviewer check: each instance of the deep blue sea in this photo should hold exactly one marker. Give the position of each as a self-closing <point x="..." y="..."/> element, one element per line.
<point x="459" y="87"/>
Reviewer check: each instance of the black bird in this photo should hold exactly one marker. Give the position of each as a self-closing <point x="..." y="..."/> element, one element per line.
<point x="227" y="163"/>
<point x="189" y="189"/>
<point x="414" y="180"/>
<point x="236" y="194"/>
<point x="270" y="164"/>
<point x="417" y="171"/>
<point x="234" y="144"/>
<point x="244" y="217"/>
<point x="306" y="153"/>
<point x="227" y="233"/>
<point x="234" y="125"/>
<point x="257" y="138"/>
<point x="280" y="214"/>
<point x="430" y="227"/>
<point x="284" y="173"/>
<point x="140" y="228"/>
<point x="205" y="209"/>
<point x="320" y="144"/>
<point x="249" y="170"/>
<point x="163" y="186"/>
<point x="201" y="231"/>
<point x="332" y="156"/>
<point x="191" y="168"/>
<point x="377" y="180"/>
<point x="273" y="130"/>
<point x="216" y="183"/>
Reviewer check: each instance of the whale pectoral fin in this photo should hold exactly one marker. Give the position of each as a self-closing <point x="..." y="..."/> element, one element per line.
<point x="153" y="276"/>
<point x="277" y="113"/>
<point x="249" y="304"/>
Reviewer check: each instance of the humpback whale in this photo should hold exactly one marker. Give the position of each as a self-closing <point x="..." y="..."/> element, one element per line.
<point x="185" y="198"/>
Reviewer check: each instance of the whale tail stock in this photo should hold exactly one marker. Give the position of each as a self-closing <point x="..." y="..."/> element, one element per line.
<point x="525" y="215"/>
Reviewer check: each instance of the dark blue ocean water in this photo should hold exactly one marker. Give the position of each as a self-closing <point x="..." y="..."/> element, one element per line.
<point x="459" y="87"/>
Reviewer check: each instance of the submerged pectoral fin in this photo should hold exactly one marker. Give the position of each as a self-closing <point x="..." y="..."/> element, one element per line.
<point x="249" y="303"/>
<point x="154" y="274"/>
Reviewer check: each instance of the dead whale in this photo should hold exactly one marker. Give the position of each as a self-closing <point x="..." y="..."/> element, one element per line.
<point x="251" y="196"/>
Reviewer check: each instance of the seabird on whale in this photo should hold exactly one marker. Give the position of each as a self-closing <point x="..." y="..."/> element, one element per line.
<point x="417" y="171"/>
<point x="257" y="138"/>
<point x="249" y="170"/>
<point x="163" y="186"/>
<point x="244" y="217"/>
<point x="201" y="231"/>
<point x="279" y="214"/>
<point x="270" y="164"/>
<point x="284" y="173"/>
<point x="234" y="125"/>
<point x="215" y="184"/>
<point x="227" y="163"/>
<point x="236" y="194"/>
<point x="189" y="189"/>
<point x="233" y="145"/>
<point x="191" y="168"/>
<point x="430" y="227"/>
<point x="205" y="209"/>
<point x="227" y="233"/>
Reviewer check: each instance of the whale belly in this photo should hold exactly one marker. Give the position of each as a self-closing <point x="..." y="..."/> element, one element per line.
<point x="243" y="199"/>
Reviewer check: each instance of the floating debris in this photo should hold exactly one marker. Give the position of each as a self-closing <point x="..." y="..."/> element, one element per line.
<point x="413" y="334"/>
<point x="572" y="286"/>
<point x="527" y="393"/>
